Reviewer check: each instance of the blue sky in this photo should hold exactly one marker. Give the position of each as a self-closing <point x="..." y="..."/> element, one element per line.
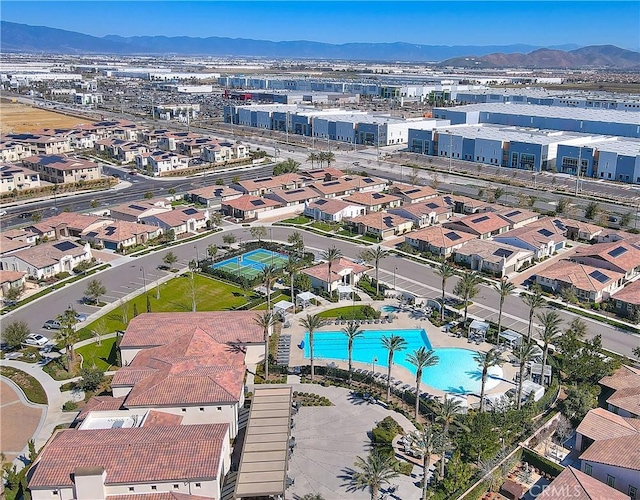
<point x="434" y="23"/>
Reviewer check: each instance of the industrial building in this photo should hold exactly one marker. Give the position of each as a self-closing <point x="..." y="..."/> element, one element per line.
<point x="588" y="121"/>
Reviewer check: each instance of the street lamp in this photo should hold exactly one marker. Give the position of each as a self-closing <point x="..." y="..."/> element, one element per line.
<point x="373" y="364"/>
<point x="197" y="256"/>
<point x="395" y="270"/>
<point x="144" y="281"/>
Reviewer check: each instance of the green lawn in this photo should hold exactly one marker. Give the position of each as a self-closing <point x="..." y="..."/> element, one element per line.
<point x="325" y="226"/>
<point x="300" y="219"/>
<point x="372" y="239"/>
<point x="104" y="357"/>
<point x="345" y="312"/>
<point x="175" y="296"/>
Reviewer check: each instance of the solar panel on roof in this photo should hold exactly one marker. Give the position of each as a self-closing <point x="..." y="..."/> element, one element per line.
<point x="332" y="183"/>
<point x="452" y="236"/>
<point x="600" y="276"/>
<point x="296" y="191"/>
<point x="190" y="211"/>
<point x="545" y="232"/>
<point x="617" y="251"/>
<point x="64" y="246"/>
<point x="432" y="205"/>
<point x="367" y="180"/>
<point x="377" y="196"/>
<point x="257" y="203"/>
<point x="411" y="191"/>
<point x="137" y="207"/>
<point x="480" y="219"/>
<point x="321" y="202"/>
<point x="110" y="230"/>
<point x="503" y="252"/>
<point x="514" y="213"/>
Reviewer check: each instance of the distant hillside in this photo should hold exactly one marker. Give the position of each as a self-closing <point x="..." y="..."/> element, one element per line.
<point x="24" y="38"/>
<point x="594" y="56"/>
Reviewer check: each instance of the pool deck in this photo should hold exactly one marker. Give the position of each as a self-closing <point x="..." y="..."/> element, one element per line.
<point x="404" y="319"/>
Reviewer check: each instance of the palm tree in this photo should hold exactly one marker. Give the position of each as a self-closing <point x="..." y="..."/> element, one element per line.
<point x="212" y="251"/>
<point x="445" y="271"/>
<point x="427" y="440"/>
<point x="421" y="359"/>
<point x="291" y="268"/>
<point x="266" y="320"/>
<point x="485" y="361"/>
<point x="329" y="157"/>
<point x="68" y="334"/>
<point x="504" y="288"/>
<point x="311" y="323"/>
<point x="266" y="277"/>
<point x="392" y="344"/>
<point x="352" y="331"/>
<point x="467" y="288"/>
<point x="446" y="414"/>
<point x="375" y="470"/>
<point x="526" y="352"/>
<point x="313" y="157"/>
<point x="375" y="255"/>
<point x="534" y="301"/>
<point x="330" y="254"/>
<point x="550" y="331"/>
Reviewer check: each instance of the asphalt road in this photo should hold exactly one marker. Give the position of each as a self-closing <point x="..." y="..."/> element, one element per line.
<point x="415" y="277"/>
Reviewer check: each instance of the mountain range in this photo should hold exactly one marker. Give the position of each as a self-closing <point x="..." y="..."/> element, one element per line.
<point x="23" y="38"/>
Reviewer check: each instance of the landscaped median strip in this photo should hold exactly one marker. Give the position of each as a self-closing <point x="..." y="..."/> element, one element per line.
<point x="31" y="388"/>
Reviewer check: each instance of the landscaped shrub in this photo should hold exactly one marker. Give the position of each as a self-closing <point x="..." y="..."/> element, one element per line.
<point x="70" y="406"/>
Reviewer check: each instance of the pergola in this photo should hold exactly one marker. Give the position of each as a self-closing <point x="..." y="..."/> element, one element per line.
<point x="304" y="299"/>
<point x="479" y="328"/>
<point x="345" y="292"/>
<point x="281" y="308"/>
<point x="511" y="338"/>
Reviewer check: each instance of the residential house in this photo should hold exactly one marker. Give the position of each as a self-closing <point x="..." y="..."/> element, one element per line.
<point x="291" y="197"/>
<point x="11" y="151"/>
<point x="127" y="152"/>
<point x="374" y="201"/>
<point x="492" y="257"/>
<point x="578" y="230"/>
<point x="343" y="272"/>
<point x="585" y="282"/>
<point x="104" y="463"/>
<point x="41" y="144"/>
<point x="119" y="234"/>
<point x="60" y="169"/>
<point x="262" y="185"/>
<point x="425" y="213"/>
<point x="169" y="140"/>
<point x="382" y="225"/>
<point x="621" y="391"/>
<point x="571" y="483"/>
<point x="247" y="207"/>
<point x="135" y="211"/>
<point x="627" y="301"/>
<point x="11" y="245"/>
<point x="367" y="184"/>
<point x="466" y="205"/>
<point x="18" y="178"/>
<point x="602" y="425"/>
<point x="413" y="194"/>
<point x="543" y="238"/>
<point x="335" y="189"/>
<point x="332" y="210"/>
<point x="161" y="162"/>
<point x="11" y="279"/>
<point x="224" y="151"/>
<point x="619" y="256"/>
<point x="63" y="225"/>
<point x="180" y="220"/>
<point x="48" y="259"/>
<point x="608" y="235"/>
<point x="518" y="217"/>
<point x="482" y="225"/>
<point x="322" y="174"/>
<point x="438" y="240"/>
<point x="212" y="196"/>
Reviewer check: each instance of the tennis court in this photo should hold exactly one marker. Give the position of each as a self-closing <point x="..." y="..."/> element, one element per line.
<point x="250" y="264"/>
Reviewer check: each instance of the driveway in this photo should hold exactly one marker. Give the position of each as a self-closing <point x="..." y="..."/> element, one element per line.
<point x="328" y="440"/>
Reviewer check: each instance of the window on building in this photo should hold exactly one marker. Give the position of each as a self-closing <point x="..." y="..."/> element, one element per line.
<point x="154" y="487"/>
<point x="131" y="488"/>
<point x="219" y="408"/>
<point x="184" y="410"/>
<point x="633" y="492"/>
<point x="176" y="486"/>
<point x="198" y="485"/>
<point x="588" y="469"/>
<point x="201" y="409"/>
<point x="611" y="481"/>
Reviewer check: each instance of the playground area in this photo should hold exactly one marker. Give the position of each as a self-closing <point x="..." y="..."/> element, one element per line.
<point x="249" y="265"/>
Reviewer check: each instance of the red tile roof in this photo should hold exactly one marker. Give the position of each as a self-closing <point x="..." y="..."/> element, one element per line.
<point x="571" y="483"/>
<point x="382" y="221"/>
<point x="160" y="418"/>
<point x="441" y="237"/>
<point x="618" y="253"/>
<point x="249" y="203"/>
<point x="622" y="451"/>
<point x="481" y="223"/>
<point x="623" y="378"/>
<point x="11" y="276"/>
<point x="627" y="400"/>
<point x="133" y="455"/>
<point x="371" y="198"/>
<point x="72" y="220"/>
<point x="580" y="276"/>
<point x="629" y="294"/>
<point x="100" y="403"/>
<point x="169" y="495"/>
<point x="227" y="327"/>
<point x="329" y="205"/>
<point x="600" y="424"/>
<point x="321" y="271"/>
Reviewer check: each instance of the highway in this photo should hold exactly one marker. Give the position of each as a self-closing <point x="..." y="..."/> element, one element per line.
<point x="419" y="279"/>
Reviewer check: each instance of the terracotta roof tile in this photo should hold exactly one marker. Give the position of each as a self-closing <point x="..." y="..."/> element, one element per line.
<point x="159" y="418"/>
<point x="571" y="483"/>
<point x="100" y="403"/>
<point x="371" y="198"/>
<point x="622" y="451"/>
<point x="320" y="271"/>
<point x="580" y="276"/>
<point x="482" y="223"/>
<point x="629" y="294"/>
<point x="618" y="253"/>
<point x="329" y="205"/>
<point x="169" y="495"/>
<point x="441" y="237"/>
<point x="159" y="453"/>
<point x="623" y="378"/>
<point x="627" y="399"/>
<point x="11" y="276"/>
<point x="600" y="424"/>
<point x="50" y="253"/>
<point x="249" y="202"/>
<point x="413" y="192"/>
<point x="380" y="220"/>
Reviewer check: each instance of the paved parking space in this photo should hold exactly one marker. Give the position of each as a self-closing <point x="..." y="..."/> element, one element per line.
<point x="328" y="440"/>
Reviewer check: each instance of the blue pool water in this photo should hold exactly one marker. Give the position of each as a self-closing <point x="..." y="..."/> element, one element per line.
<point x="389" y="309"/>
<point x="456" y="371"/>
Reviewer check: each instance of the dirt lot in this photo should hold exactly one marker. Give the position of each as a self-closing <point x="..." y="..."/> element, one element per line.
<point x="16" y="117"/>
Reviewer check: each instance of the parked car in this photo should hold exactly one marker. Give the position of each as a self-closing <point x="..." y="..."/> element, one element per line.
<point x="3" y="213"/>
<point x="36" y="339"/>
<point x="81" y="317"/>
<point x="52" y="324"/>
<point x="26" y="215"/>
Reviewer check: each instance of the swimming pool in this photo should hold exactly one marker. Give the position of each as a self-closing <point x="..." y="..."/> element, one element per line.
<point x="456" y="371"/>
<point x="250" y="264"/>
<point x="389" y="309"/>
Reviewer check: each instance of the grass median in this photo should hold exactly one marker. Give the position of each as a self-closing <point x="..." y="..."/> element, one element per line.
<point x="29" y="385"/>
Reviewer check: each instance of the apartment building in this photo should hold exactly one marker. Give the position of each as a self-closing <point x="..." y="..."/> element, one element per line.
<point x="15" y="177"/>
<point x="60" y="169"/>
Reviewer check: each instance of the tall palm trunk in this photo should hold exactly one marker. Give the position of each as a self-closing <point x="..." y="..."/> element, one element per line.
<point x="530" y="325"/>
<point x="485" y="371"/>
<point x="311" y="353"/>
<point x="389" y="378"/>
<point x="444" y="284"/>
<point x="266" y="354"/>
<point x="445" y="433"/>
<point x="377" y="280"/>
<point x="500" y="317"/>
<point x="418" y="382"/>
<point x="350" y="347"/>
<point x="426" y="462"/>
